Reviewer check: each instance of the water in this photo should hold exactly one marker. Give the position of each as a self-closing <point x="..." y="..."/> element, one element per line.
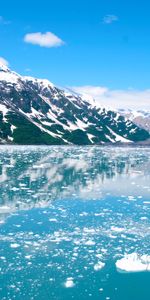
<point x="67" y="214"/>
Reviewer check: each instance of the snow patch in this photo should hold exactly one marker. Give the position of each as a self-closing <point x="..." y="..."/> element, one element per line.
<point x="4" y="111"/>
<point x="13" y="128"/>
<point x="119" y="138"/>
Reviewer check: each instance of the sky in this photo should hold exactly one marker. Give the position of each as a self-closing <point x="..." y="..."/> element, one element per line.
<point x="99" y="47"/>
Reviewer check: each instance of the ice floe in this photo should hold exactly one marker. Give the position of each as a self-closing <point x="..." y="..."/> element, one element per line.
<point x="14" y="245"/>
<point x="133" y="263"/>
<point x="69" y="283"/>
<point x="100" y="265"/>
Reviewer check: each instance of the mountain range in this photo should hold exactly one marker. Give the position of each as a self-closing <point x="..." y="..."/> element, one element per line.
<point x="140" y="117"/>
<point x="35" y="111"/>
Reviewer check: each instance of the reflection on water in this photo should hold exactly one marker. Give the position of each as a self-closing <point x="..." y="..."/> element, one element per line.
<point x="34" y="176"/>
<point x="56" y="242"/>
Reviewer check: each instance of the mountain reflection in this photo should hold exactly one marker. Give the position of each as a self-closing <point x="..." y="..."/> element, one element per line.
<point x="34" y="176"/>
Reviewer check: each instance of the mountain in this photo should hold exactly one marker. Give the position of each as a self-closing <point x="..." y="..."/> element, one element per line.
<point x="139" y="117"/>
<point x="34" y="111"/>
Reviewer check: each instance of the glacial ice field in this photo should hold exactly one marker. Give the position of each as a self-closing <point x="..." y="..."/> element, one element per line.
<point x="74" y="223"/>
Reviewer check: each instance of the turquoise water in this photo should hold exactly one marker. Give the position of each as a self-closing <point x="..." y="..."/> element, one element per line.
<point x="67" y="214"/>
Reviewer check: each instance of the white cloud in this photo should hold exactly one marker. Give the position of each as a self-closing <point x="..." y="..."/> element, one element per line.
<point x="3" y="61"/>
<point x="47" y="39"/>
<point x="91" y="90"/>
<point x="117" y="99"/>
<point x="108" y="19"/>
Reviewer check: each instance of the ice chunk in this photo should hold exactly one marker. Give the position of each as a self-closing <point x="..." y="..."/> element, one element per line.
<point x="117" y="229"/>
<point x="99" y="266"/>
<point x="69" y="282"/>
<point x="89" y="243"/>
<point x="133" y="263"/>
<point x="14" y="245"/>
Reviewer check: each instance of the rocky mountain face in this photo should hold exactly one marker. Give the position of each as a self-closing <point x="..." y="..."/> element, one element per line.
<point x="34" y="111"/>
<point x="139" y="117"/>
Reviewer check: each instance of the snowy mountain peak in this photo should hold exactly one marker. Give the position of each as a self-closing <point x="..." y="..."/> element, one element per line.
<point x="14" y="78"/>
<point x="34" y="111"/>
<point x="8" y="76"/>
<point x="3" y="68"/>
<point x="43" y="82"/>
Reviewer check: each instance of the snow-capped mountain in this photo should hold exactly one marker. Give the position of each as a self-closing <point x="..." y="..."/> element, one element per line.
<point x="34" y="111"/>
<point x="139" y="117"/>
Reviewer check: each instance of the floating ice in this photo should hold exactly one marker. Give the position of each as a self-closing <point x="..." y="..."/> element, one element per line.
<point x="89" y="243"/>
<point x="69" y="282"/>
<point x="99" y="266"/>
<point x="117" y="229"/>
<point x="14" y="245"/>
<point x="4" y="208"/>
<point x="133" y="263"/>
<point x="28" y="256"/>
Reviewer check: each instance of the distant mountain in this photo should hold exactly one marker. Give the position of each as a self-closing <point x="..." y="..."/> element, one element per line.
<point x="139" y="117"/>
<point x="34" y="111"/>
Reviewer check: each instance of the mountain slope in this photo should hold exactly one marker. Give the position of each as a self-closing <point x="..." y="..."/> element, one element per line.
<point x="34" y="111"/>
<point x="139" y="117"/>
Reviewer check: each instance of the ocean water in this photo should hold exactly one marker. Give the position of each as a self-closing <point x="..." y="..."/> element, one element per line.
<point x="69" y="216"/>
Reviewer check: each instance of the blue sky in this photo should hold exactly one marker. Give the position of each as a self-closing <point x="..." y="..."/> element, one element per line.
<point x="103" y="43"/>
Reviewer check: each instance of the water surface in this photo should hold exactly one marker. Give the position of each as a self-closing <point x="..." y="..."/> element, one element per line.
<point x="67" y="214"/>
